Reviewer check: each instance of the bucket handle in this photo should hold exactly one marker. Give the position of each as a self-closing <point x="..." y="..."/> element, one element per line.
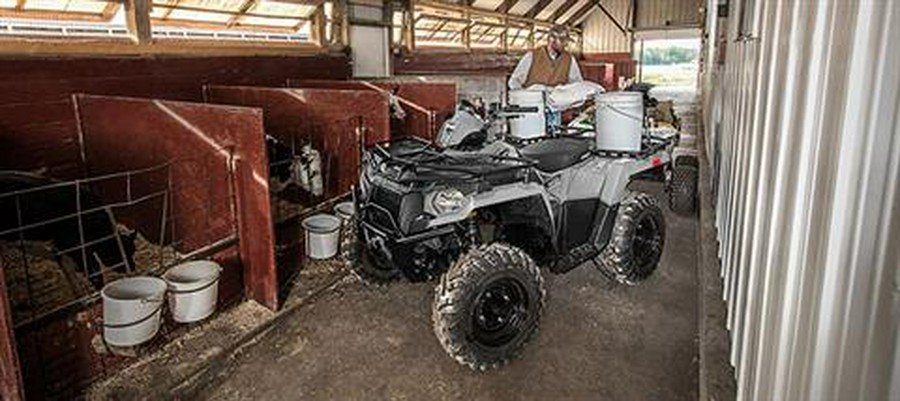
<point x="616" y="110"/>
<point x="210" y="284"/>
<point x="139" y="321"/>
<point x="150" y="300"/>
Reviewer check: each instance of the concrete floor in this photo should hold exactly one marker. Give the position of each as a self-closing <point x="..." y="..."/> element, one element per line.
<point x="597" y="340"/>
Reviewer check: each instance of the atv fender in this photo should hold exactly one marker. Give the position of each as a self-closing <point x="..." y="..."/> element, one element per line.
<point x="621" y="171"/>
<point x="498" y="195"/>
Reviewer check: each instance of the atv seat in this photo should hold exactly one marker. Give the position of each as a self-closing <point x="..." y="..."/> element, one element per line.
<point x="556" y="153"/>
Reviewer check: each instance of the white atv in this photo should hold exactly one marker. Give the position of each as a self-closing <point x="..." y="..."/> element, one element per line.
<point x="482" y="220"/>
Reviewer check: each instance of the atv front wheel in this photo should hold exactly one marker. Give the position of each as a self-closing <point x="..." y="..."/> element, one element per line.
<point x="682" y="186"/>
<point x="637" y="240"/>
<point x="371" y="264"/>
<point x="488" y="305"/>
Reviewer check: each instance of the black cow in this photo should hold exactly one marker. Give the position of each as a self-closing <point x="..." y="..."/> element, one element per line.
<point x="47" y="209"/>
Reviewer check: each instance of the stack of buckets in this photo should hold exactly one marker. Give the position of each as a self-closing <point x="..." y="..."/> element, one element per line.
<point x="132" y="307"/>
<point x="327" y="234"/>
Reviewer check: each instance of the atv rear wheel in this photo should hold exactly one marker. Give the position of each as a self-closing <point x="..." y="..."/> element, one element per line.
<point x="371" y="268"/>
<point x="682" y="186"/>
<point x="637" y="240"/>
<point x="488" y="305"/>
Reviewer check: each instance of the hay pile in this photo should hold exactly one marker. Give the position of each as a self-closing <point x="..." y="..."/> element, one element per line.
<point x="149" y="258"/>
<point x="55" y="282"/>
<point x="52" y="284"/>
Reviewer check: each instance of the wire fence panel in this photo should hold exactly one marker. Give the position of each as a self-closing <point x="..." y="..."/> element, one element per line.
<point x="62" y="241"/>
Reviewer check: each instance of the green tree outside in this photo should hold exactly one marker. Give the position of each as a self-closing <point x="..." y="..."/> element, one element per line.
<point x="669" y="56"/>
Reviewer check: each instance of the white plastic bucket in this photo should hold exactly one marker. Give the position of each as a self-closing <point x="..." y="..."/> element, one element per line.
<point x="344" y="211"/>
<point x="193" y="290"/>
<point x="529" y="125"/>
<point x="131" y="310"/>
<point x="620" y="121"/>
<point x="322" y="235"/>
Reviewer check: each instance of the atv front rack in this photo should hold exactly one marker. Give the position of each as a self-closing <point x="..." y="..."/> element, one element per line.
<point x="430" y="164"/>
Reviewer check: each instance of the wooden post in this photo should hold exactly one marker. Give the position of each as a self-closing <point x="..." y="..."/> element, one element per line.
<point x="410" y="27"/>
<point x="531" y="37"/>
<point x="10" y="375"/>
<point x="505" y="35"/>
<point x="318" y="26"/>
<point x="137" y="17"/>
<point x="340" y="11"/>
<point x="467" y="31"/>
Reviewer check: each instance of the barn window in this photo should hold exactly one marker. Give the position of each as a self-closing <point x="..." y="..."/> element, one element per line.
<point x="256" y="20"/>
<point x="62" y="19"/>
<point x="289" y="22"/>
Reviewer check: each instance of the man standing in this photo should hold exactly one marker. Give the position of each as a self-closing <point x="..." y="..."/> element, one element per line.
<point x="550" y="66"/>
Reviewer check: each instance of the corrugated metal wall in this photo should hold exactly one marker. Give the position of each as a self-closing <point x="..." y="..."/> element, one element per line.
<point x="666" y="14"/>
<point x="601" y="35"/>
<point x="804" y="139"/>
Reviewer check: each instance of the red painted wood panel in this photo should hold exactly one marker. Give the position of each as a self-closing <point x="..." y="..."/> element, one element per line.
<point x="427" y="105"/>
<point x="327" y="118"/>
<point x="273" y="67"/>
<point x="455" y="63"/>
<point x="37" y="91"/>
<point x="623" y="64"/>
<point x="327" y="84"/>
<point x="602" y="73"/>
<point x="200" y="142"/>
<point x="438" y="98"/>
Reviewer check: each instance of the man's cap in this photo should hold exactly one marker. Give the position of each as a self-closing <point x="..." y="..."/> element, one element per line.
<point x="559" y="32"/>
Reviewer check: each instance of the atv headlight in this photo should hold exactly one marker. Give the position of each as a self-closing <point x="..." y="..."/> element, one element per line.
<point x="448" y="200"/>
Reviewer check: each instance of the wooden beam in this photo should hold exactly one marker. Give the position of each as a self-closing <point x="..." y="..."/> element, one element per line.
<point x="480" y="12"/>
<point x="561" y="10"/>
<point x="49" y="15"/>
<point x="20" y="4"/>
<point x="537" y="8"/>
<point x="303" y="2"/>
<point x="214" y="26"/>
<point x="169" y="10"/>
<point x="110" y="10"/>
<point x="505" y="5"/>
<point x="613" y="19"/>
<point x="137" y="18"/>
<point x="580" y="13"/>
<point x="248" y="4"/>
<point x="231" y="13"/>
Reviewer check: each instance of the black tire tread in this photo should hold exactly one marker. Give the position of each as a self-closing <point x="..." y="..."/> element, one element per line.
<point x="364" y="269"/>
<point x="448" y="308"/>
<point x="616" y="258"/>
<point x="682" y="188"/>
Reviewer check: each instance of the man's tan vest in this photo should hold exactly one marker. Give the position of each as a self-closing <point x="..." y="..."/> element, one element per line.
<point x="546" y="71"/>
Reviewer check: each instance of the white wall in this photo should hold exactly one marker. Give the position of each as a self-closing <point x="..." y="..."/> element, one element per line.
<point x="664" y="14"/>
<point x="804" y="136"/>
<point x="601" y="35"/>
